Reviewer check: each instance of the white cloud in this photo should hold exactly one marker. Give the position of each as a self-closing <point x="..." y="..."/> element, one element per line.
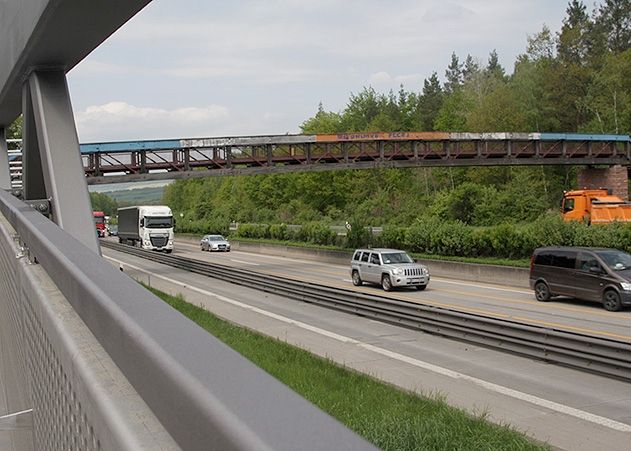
<point x="385" y="79"/>
<point x="120" y="120"/>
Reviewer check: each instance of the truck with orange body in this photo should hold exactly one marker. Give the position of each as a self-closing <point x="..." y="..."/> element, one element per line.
<point x="595" y="206"/>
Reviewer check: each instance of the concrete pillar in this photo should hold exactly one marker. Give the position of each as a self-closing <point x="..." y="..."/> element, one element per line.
<point x="615" y="178"/>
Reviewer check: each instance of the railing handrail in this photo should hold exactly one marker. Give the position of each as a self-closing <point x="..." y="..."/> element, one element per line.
<point x="205" y="394"/>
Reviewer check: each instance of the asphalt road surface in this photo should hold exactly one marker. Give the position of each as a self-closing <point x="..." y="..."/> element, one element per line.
<point x="566" y="408"/>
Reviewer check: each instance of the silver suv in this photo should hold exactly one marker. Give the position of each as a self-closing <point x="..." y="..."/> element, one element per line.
<point x="389" y="267"/>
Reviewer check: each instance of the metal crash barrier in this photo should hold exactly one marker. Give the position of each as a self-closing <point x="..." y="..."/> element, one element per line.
<point x="90" y="360"/>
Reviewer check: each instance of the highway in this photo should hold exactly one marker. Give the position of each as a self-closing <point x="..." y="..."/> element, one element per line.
<point x="493" y="301"/>
<point x="567" y="408"/>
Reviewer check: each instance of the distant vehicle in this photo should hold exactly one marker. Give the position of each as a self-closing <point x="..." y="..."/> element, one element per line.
<point x="592" y="274"/>
<point x="99" y="221"/>
<point x="595" y="206"/>
<point x="112" y="230"/>
<point x="214" y="243"/>
<point x="390" y="268"/>
<point x="149" y="227"/>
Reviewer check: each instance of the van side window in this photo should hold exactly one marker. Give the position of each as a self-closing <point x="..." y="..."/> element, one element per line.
<point x="357" y="255"/>
<point x="374" y="259"/>
<point x="564" y="259"/>
<point x="544" y="259"/>
<point x="586" y="261"/>
<point x="365" y="256"/>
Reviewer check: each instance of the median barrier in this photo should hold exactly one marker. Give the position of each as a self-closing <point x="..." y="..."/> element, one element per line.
<point x="475" y="272"/>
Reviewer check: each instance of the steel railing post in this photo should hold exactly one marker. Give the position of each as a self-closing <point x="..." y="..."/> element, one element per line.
<point x="5" y="174"/>
<point x="61" y="168"/>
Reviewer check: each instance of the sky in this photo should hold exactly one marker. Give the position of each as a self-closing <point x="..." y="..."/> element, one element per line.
<point x="195" y="68"/>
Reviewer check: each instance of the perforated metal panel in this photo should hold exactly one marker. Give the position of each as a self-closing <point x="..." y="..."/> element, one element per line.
<point x="53" y="364"/>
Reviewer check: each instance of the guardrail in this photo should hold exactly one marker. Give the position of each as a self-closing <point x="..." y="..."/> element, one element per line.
<point x="588" y="353"/>
<point x="175" y="386"/>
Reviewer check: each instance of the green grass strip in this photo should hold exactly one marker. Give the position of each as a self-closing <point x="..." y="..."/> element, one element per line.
<point x="391" y="418"/>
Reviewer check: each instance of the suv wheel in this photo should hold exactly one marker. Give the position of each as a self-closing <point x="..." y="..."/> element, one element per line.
<point x="542" y="292"/>
<point x="357" y="281"/>
<point x="386" y="283"/>
<point x="611" y="301"/>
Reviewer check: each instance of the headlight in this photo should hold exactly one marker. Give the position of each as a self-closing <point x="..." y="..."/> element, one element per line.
<point x="397" y="271"/>
<point x="424" y="271"/>
<point x="626" y="286"/>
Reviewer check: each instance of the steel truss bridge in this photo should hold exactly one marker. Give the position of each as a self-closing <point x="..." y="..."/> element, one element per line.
<point x="182" y="158"/>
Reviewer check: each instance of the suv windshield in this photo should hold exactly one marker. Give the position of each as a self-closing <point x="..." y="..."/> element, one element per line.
<point x="616" y="260"/>
<point x="159" y="222"/>
<point x="396" y="257"/>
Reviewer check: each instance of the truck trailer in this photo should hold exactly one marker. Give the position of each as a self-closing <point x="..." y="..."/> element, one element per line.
<point x="149" y="227"/>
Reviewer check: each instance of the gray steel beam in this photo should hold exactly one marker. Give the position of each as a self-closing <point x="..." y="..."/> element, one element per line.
<point x="33" y="186"/>
<point x="62" y="169"/>
<point x="5" y="175"/>
<point x="57" y="33"/>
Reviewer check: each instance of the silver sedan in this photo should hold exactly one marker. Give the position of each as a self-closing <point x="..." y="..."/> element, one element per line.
<point x="215" y="243"/>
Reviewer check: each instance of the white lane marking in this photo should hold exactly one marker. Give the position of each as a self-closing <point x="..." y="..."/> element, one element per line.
<point x="244" y="262"/>
<point x="347" y="280"/>
<point x="557" y="407"/>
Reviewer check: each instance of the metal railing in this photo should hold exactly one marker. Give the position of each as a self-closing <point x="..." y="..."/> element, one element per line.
<point x="104" y="364"/>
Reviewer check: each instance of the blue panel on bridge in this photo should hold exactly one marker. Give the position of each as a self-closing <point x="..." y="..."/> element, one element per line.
<point x="128" y="146"/>
<point x="582" y="137"/>
<point x="167" y="144"/>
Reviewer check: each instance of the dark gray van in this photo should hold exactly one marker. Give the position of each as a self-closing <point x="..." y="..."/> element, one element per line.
<point x="593" y="274"/>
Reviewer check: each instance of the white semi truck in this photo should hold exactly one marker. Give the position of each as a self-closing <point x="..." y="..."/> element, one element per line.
<point x="149" y="227"/>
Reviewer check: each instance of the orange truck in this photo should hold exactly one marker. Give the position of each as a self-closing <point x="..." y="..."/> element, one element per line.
<point x="595" y="206"/>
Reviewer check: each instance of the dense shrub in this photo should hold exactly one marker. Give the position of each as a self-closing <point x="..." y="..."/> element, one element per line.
<point x="278" y="232"/>
<point x="359" y="235"/>
<point x="392" y="237"/>
<point x="253" y="231"/>
<point x="432" y="235"/>
<point x="316" y="233"/>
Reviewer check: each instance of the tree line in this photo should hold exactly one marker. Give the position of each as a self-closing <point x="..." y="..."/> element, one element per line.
<point x="575" y="80"/>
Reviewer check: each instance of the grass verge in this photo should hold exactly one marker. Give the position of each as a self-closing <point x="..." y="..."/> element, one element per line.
<point x="390" y="418"/>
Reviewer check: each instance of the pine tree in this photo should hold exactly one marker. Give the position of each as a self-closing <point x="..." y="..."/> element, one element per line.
<point x="494" y="68"/>
<point x="573" y="39"/>
<point x="453" y="74"/>
<point x="614" y="19"/>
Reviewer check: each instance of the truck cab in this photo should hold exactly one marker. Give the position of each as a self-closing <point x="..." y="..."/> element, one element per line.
<point x="149" y="227"/>
<point x="156" y="226"/>
<point x="594" y="206"/>
<point x="99" y="221"/>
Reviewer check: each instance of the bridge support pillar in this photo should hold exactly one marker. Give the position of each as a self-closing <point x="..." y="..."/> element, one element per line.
<point x="5" y="174"/>
<point x="52" y="166"/>
<point x="615" y="178"/>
